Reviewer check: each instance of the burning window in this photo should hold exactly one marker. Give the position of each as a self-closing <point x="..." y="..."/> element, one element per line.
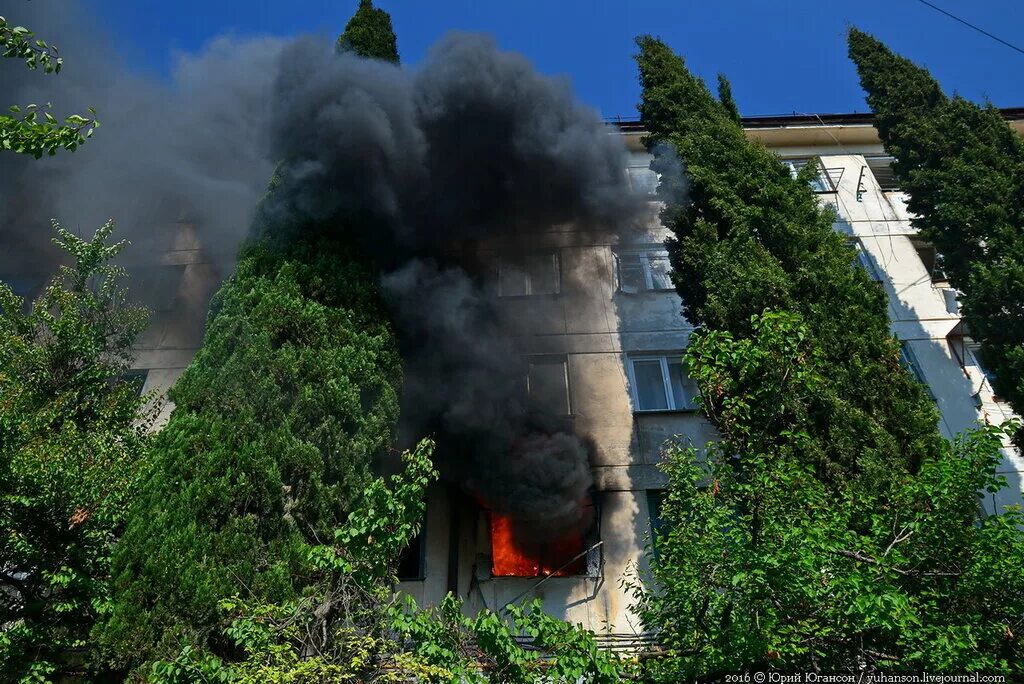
<point x="529" y="549"/>
<point x="529" y="274"/>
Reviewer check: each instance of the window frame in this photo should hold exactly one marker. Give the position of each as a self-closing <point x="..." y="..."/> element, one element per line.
<point x="533" y="359"/>
<point x="666" y="379"/>
<point x="645" y="255"/>
<point x="421" y="566"/>
<point x="795" y="164"/>
<point x="518" y="264"/>
<point x="864" y="259"/>
<point x="642" y="161"/>
<point x="913" y="366"/>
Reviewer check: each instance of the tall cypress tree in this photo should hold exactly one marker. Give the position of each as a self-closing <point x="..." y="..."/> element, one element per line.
<point x="963" y="168"/>
<point x="753" y="239"/>
<point x="277" y="424"/>
<point x="369" y="34"/>
<point x="830" y="528"/>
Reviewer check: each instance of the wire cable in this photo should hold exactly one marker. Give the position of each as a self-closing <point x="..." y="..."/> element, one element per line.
<point x="969" y="24"/>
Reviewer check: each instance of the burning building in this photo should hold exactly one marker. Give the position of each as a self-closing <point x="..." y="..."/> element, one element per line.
<point x="524" y="264"/>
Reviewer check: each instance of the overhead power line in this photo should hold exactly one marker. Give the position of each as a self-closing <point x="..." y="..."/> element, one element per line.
<point x="976" y="28"/>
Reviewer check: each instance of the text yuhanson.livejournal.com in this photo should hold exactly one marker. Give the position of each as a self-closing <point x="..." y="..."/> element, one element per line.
<point x="864" y="678"/>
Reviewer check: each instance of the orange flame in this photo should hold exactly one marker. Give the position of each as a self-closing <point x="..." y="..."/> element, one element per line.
<point x="513" y="554"/>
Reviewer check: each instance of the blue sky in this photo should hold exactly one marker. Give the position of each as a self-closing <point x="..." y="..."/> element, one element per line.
<point x="782" y="56"/>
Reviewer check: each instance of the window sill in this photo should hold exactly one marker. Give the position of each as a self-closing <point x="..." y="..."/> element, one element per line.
<point x="667" y="290"/>
<point x="661" y="412"/>
<point x="548" y="295"/>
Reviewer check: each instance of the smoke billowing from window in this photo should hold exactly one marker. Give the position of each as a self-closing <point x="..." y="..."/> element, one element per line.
<point x="471" y="147"/>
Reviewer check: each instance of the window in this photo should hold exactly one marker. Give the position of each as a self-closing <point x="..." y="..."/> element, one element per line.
<point x="911" y="363"/>
<point x="644" y="270"/>
<point x="156" y="288"/>
<point x="530" y="274"/>
<point x="821" y="182"/>
<point x="547" y="384"/>
<point x="642" y="179"/>
<point x="931" y="259"/>
<point x="412" y="560"/>
<point x="864" y="260"/>
<point x="136" y="379"/>
<point x="522" y="550"/>
<point x="655" y="502"/>
<point x="660" y="384"/>
<point x="881" y="169"/>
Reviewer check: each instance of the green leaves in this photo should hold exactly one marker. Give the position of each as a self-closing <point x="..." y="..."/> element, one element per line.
<point x="16" y="42"/>
<point x="73" y="445"/>
<point x="369" y="34"/>
<point x="277" y="423"/>
<point x="27" y="135"/>
<point x="831" y="528"/>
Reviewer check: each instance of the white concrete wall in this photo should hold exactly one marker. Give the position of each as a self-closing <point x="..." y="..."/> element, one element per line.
<point x="922" y="312"/>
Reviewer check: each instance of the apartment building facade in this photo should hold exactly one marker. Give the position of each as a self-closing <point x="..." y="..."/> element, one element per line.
<point x="603" y="335"/>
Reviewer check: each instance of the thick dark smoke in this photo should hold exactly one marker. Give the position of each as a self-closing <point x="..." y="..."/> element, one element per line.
<point x="473" y="146"/>
<point x="193" y="149"/>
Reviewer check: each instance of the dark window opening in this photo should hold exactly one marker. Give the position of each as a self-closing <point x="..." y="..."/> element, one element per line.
<point x="412" y="562"/>
<point x="931" y="259"/>
<point x="881" y="169"/>
<point x="547" y="384"/>
<point x="655" y="502"/>
<point x="531" y="274"/>
<point x="135" y="379"/>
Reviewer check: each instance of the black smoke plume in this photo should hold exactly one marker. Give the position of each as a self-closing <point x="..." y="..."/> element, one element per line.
<point x="471" y="147"/>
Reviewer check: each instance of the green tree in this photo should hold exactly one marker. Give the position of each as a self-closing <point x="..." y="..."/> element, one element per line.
<point x="27" y="133"/>
<point x="752" y="238"/>
<point x="369" y="34"/>
<point x="831" y="527"/>
<point x="72" y="449"/>
<point x="726" y="98"/>
<point x="761" y="565"/>
<point x="350" y="625"/>
<point x="963" y="168"/>
<point x="276" y="425"/>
